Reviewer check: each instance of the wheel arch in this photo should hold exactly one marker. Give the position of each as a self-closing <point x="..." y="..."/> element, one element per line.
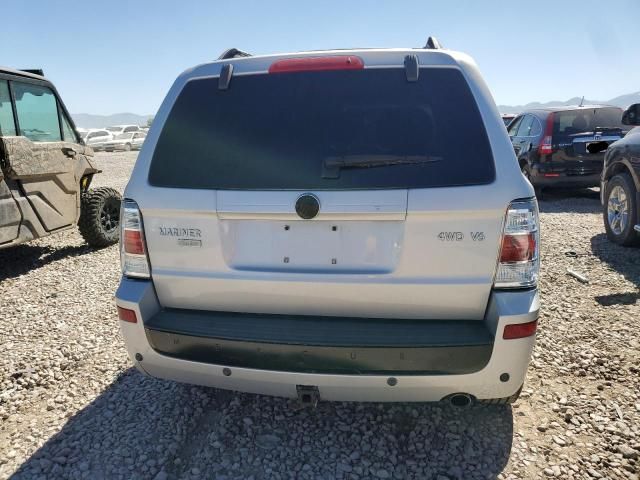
<point x="622" y="166"/>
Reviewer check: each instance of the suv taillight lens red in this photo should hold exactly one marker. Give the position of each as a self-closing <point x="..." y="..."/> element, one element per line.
<point x="133" y="242"/>
<point x="519" y="261"/>
<point x="133" y="252"/>
<point x="315" y="64"/>
<point x="546" y="147"/>
<point x="518" y="248"/>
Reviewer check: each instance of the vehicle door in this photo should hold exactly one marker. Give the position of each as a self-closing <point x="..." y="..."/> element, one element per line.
<point x="138" y="140"/>
<point x="46" y="158"/>
<point x="101" y="136"/>
<point x="523" y="137"/>
<point x="9" y="213"/>
<point x="92" y="138"/>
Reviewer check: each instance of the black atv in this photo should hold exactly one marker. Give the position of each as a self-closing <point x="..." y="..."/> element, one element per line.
<point x="45" y="169"/>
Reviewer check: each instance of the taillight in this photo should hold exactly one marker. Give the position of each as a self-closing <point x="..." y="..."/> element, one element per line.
<point x="133" y="252"/>
<point x="315" y="64"/>
<point x="519" y="262"/>
<point x="546" y="147"/>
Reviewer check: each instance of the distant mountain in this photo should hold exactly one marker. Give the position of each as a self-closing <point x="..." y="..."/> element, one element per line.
<point x="87" y="120"/>
<point x="622" y="101"/>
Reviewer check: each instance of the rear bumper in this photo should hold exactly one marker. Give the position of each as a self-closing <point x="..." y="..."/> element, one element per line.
<point x="575" y="179"/>
<point x="185" y="346"/>
<point x="328" y="345"/>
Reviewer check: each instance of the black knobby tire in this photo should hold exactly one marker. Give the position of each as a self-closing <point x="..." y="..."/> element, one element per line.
<point x="626" y="236"/>
<point x="100" y="217"/>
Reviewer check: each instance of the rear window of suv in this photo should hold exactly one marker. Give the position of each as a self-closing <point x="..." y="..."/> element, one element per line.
<point x="276" y="131"/>
<point x="570" y="122"/>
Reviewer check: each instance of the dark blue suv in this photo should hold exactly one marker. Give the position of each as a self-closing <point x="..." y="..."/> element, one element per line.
<point x="565" y="146"/>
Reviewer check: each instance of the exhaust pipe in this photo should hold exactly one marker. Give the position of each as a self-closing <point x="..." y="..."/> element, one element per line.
<point x="460" y="400"/>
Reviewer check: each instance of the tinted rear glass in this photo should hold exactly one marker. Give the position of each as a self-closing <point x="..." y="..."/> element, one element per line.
<point x="274" y="131"/>
<point x="570" y="122"/>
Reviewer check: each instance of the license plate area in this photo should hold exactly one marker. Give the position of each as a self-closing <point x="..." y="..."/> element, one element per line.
<point x="312" y="246"/>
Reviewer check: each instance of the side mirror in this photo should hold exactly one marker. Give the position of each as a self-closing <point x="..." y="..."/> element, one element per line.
<point x="631" y="115"/>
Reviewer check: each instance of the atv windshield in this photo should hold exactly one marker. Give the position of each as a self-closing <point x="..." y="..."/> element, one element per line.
<point x="276" y="131"/>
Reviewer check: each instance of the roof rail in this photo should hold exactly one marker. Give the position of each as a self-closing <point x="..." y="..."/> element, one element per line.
<point x="233" y="53"/>
<point x="35" y="71"/>
<point x="433" y="44"/>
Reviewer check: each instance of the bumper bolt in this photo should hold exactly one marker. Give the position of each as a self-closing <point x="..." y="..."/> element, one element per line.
<point x="392" y="381"/>
<point x="226" y="372"/>
<point x="138" y="357"/>
<point x="504" y="377"/>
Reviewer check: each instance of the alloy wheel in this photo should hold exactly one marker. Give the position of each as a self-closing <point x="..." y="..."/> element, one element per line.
<point x="618" y="210"/>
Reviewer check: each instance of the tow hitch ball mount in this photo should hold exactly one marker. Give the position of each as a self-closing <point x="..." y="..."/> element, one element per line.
<point x="308" y="395"/>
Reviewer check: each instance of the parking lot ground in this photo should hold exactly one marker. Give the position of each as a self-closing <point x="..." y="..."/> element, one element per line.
<point x="71" y="406"/>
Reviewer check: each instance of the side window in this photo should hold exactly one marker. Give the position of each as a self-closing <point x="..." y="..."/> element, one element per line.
<point x="525" y="126"/>
<point x="513" y="127"/>
<point x="37" y="112"/>
<point x="536" y="127"/>
<point x="7" y="124"/>
<point x="130" y="129"/>
<point x="69" y="133"/>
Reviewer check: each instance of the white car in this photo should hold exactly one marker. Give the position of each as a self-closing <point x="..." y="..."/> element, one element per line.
<point x="120" y="129"/>
<point x="348" y="236"/>
<point x="97" y="137"/>
<point x="125" y="142"/>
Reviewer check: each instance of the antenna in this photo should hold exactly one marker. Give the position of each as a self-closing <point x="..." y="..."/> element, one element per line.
<point x="432" y="44"/>
<point x="581" y="101"/>
<point x="233" y="53"/>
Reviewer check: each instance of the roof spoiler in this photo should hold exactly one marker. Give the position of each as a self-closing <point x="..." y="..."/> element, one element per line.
<point x="433" y="44"/>
<point x="35" y="71"/>
<point x="233" y="53"/>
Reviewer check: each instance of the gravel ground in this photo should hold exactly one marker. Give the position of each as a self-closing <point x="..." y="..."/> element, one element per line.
<point x="72" y="407"/>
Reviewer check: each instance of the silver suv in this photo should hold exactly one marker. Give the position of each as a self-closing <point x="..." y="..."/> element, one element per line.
<point x="328" y="225"/>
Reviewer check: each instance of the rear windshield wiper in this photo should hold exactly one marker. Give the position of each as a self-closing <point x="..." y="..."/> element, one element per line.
<point x="331" y="166"/>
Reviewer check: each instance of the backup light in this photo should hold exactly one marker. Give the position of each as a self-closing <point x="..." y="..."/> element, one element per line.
<point x="133" y="252"/>
<point x="519" y="262"/>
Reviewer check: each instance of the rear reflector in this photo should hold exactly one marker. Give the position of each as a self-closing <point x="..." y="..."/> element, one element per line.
<point x="127" y="315"/>
<point x="519" y="330"/>
<point x="315" y="64"/>
<point x="551" y="175"/>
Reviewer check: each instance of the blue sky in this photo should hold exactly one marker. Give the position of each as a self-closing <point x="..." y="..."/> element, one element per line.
<point x="122" y="56"/>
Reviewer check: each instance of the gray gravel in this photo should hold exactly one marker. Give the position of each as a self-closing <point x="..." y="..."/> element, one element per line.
<point x="71" y="406"/>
